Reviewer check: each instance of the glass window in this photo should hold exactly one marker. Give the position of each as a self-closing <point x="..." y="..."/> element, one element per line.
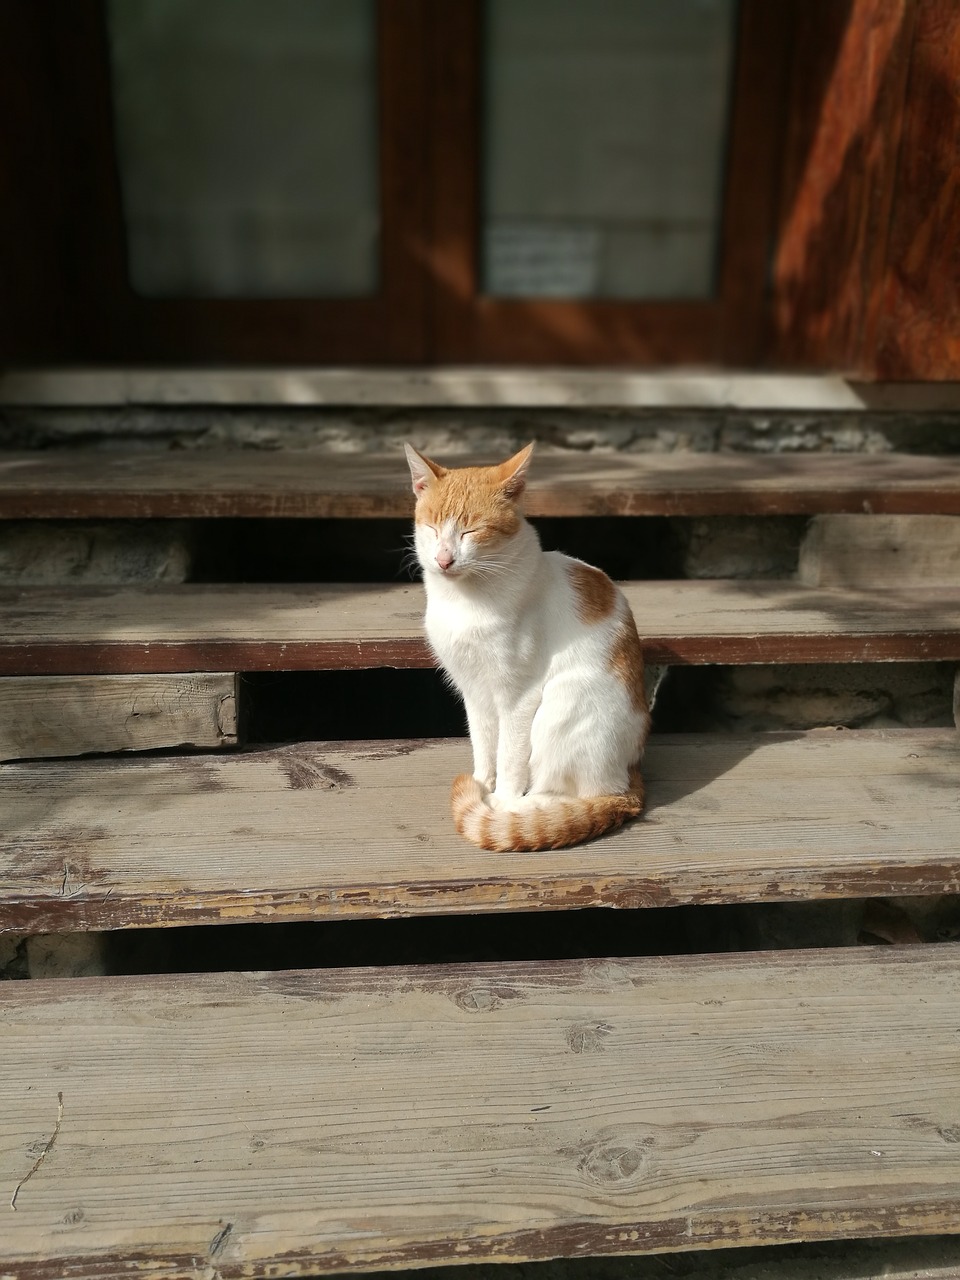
<point x="605" y="126"/>
<point x="247" y="146"/>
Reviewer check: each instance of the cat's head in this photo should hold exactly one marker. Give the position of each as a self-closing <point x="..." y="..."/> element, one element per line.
<point x="465" y="516"/>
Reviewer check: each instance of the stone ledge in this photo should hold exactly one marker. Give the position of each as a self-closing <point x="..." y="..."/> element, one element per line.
<point x="492" y="430"/>
<point x="469" y="387"/>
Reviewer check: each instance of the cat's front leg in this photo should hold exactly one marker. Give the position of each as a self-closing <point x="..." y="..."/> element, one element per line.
<point x="482" y="723"/>
<point x="513" y="749"/>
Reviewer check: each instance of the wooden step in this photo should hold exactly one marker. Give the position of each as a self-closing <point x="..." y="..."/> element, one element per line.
<point x="72" y="715"/>
<point x="96" y="630"/>
<point x="303" y="1123"/>
<point x="363" y="829"/>
<point x="198" y="483"/>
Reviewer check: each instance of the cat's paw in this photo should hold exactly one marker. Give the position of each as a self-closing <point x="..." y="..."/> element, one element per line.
<point x="501" y="798"/>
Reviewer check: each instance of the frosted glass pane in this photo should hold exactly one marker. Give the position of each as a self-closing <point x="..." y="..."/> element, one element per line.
<point x="247" y="146"/>
<point x="605" y="142"/>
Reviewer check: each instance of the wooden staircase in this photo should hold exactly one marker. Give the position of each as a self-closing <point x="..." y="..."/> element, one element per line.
<point x="304" y="1122"/>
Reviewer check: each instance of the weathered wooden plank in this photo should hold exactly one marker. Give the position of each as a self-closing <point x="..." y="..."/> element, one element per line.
<point x="363" y="829"/>
<point x="121" y="483"/>
<point x="71" y="715"/>
<point x="303" y="1123"/>
<point x="269" y="628"/>
<point x="868" y="552"/>
<point x="291" y="627"/>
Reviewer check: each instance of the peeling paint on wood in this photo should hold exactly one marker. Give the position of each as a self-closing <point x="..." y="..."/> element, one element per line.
<point x="351" y="830"/>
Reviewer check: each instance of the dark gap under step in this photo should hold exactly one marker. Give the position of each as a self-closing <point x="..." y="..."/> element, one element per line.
<point x="287" y="550"/>
<point x="548" y="935"/>
<point x="312" y="706"/>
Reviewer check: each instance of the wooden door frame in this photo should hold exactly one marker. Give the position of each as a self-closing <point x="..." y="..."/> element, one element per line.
<point x="113" y="323"/>
<point x="469" y="327"/>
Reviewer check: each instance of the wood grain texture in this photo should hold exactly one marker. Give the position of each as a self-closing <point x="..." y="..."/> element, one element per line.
<point x="71" y="715"/>
<point x="335" y="627"/>
<point x="850" y="66"/>
<point x="121" y="483"/>
<point x="363" y="829"/>
<point x="917" y="331"/>
<point x="303" y="1123"/>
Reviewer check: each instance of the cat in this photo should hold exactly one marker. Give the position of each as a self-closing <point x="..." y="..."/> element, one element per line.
<point x="545" y="653"/>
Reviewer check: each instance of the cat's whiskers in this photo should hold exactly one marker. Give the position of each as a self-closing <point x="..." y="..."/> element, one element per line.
<point x="409" y="561"/>
<point x="489" y="568"/>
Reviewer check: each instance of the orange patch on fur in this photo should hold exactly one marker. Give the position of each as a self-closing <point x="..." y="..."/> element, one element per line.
<point x="637" y="787"/>
<point x="487" y="839"/>
<point x="517" y="831"/>
<point x="596" y="594"/>
<point x="464" y="790"/>
<point x="626" y="662"/>
<point x="473" y="497"/>
<point x="541" y="829"/>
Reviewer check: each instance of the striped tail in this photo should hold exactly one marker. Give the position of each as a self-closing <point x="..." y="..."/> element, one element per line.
<point x="570" y="820"/>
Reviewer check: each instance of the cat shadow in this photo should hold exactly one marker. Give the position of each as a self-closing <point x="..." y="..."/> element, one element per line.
<point x="684" y="767"/>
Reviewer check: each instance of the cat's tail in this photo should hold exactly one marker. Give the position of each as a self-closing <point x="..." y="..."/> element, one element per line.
<point x="553" y="824"/>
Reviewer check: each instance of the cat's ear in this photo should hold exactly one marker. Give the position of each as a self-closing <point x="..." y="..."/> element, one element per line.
<point x="513" y="473"/>
<point x="422" y="470"/>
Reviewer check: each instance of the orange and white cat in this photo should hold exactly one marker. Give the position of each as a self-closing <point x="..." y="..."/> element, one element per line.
<point x="545" y="653"/>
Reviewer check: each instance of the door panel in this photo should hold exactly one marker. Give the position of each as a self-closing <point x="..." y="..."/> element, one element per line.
<point x="596" y="171"/>
<point x="246" y="186"/>
<point x="604" y="146"/>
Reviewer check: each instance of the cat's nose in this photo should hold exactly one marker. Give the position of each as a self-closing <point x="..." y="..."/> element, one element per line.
<point x="444" y="560"/>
